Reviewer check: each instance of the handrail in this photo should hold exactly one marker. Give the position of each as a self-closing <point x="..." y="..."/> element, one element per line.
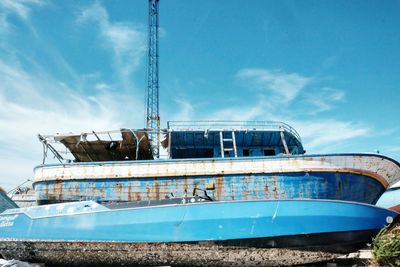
<point x="54" y="137"/>
<point x="226" y="125"/>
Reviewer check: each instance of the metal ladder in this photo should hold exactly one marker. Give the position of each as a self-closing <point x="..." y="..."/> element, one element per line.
<point x="222" y="140"/>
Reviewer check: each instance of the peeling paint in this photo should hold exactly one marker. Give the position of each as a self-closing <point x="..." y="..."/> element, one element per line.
<point x="270" y="178"/>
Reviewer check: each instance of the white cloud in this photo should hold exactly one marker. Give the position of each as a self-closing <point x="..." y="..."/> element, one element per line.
<point x="324" y="136"/>
<point x="125" y="40"/>
<point x="35" y="101"/>
<point x="19" y="7"/>
<point x="183" y="112"/>
<point x="32" y="104"/>
<point x="282" y="87"/>
<point x="102" y="86"/>
<point x="241" y="113"/>
<point x="324" y="99"/>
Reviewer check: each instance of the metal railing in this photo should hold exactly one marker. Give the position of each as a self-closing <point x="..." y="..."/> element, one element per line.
<point x="62" y="154"/>
<point x="232" y="126"/>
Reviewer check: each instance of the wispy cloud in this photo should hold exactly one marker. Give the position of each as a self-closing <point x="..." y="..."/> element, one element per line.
<point x="125" y="40"/>
<point x="323" y="99"/>
<point x="283" y="87"/>
<point x="21" y="8"/>
<point x="322" y="136"/>
<point x="31" y="104"/>
<point x="33" y="99"/>
<point x="183" y="111"/>
<point x="242" y="112"/>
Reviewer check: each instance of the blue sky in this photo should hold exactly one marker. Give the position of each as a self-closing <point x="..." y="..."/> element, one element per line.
<point x="331" y="69"/>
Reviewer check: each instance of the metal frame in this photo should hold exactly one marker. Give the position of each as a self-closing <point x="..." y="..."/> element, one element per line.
<point x="152" y="101"/>
<point x="49" y="141"/>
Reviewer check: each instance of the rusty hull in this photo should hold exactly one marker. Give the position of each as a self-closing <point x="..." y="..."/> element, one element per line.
<point x="310" y="185"/>
<point x="353" y="177"/>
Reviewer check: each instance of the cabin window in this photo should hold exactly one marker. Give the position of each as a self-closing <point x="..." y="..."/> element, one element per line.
<point x="184" y="153"/>
<point x="246" y="152"/>
<point x="269" y="152"/>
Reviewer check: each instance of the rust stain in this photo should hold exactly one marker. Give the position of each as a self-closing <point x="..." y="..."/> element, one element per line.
<point x="166" y="191"/>
<point x="59" y="188"/>
<point x="148" y="191"/>
<point x="118" y="187"/>
<point x="102" y="193"/>
<point x="77" y="189"/>
<point x="245" y="194"/>
<point x="232" y="190"/>
<point x="157" y="189"/>
<point x="130" y="192"/>
<point x="219" y="185"/>
<point x="194" y="188"/>
<point x="267" y="194"/>
<point x="70" y="190"/>
<point x="275" y="187"/>
<point x="283" y="194"/>
<point x="46" y="189"/>
<point x="185" y="183"/>
<point x="276" y="196"/>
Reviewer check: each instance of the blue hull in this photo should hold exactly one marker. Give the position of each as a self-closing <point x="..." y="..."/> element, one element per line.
<point x="249" y="232"/>
<point x="309" y="185"/>
<point x="89" y="221"/>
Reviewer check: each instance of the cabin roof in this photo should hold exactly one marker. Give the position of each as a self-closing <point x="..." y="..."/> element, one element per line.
<point x="247" y="134"/>
<point x="102" y="146"/>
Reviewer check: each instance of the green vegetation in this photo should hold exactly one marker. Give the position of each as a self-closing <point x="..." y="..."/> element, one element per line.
<point x="386" y="246"/>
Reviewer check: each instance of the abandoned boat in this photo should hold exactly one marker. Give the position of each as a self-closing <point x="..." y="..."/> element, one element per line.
<point x="215" y="160"/>
<point x="193" y="225"/>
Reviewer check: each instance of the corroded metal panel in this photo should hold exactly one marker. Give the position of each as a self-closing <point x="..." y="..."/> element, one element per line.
<point x="385" y="170"/>
<point x="346" y="177"/>
<point x="313" y="185"/>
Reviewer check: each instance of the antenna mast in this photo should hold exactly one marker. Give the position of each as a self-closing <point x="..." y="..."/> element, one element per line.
<point x="152" y="114"/>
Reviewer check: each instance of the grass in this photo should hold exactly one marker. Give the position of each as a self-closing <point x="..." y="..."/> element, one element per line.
<point x="386" y="246"/>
